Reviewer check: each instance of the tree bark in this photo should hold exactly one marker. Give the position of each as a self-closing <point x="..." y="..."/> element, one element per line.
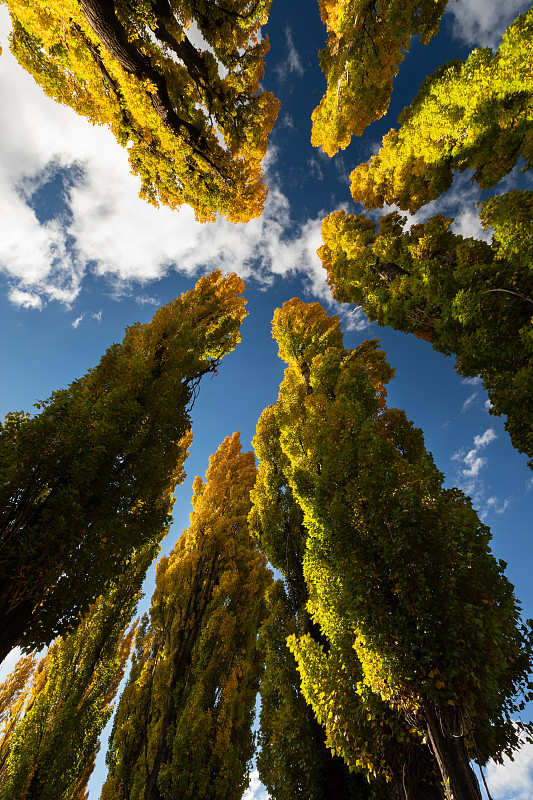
<point x="101" y="16"/>
<point x="446" y="738"/>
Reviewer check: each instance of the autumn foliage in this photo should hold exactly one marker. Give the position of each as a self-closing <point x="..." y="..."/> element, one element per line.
<point x="464" y="296"/>
<point x="192" y="135"/>
<point x="476" y="114"/>
<point x="53" y="721"/>
<point x="367" y="42"/>
<point x="183" y="725"/>
<point x="398" y="568"/>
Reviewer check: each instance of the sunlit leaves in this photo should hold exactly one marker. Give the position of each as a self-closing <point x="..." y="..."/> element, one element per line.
<point x="466" y="297"/>
<point x="416" y="610"/>
<point x="475" y="114"/>
<point x="366" y="44"/>
<point x="195" y="121"/>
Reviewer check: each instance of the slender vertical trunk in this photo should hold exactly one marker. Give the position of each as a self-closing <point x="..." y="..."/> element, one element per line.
<point x="446" y="739"/>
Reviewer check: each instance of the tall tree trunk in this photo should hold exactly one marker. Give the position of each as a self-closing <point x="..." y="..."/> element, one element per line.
<point x="446" y="738"/>
<point x="101" y="16"/>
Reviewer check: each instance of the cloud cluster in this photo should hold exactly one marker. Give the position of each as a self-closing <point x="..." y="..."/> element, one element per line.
<point x="255" y="790"/>
<point x="472" y="462"/>
<point x="103" y="225"/>
<point x="482" y="22"/>
<point x="468" y="402"/>
<point x="469" y="463"/>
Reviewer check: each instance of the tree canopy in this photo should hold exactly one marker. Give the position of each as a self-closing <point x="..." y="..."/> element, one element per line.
<point x="88" y="481"/>
<point x="476" y="114"/>
<point x="468" y="298"/>
<point x="192" y="116"/>
<point x="355" y="750"/>
<point x="50" y="751"/>
<point x="294" y="759"/>
<point x="183" y="724"/>
<point x="367" y="42"/>
<point x="399" y="568"/>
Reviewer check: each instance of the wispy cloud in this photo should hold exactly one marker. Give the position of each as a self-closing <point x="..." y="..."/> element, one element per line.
<point x="471" y="462"/>
<point x="493" y="504"/>
<point x="294" y="61"/>
<point x="472" y="381"/>
<point x="468" y="402"/>
<point x="87" y="314"/>
<point x="315" y="169"/>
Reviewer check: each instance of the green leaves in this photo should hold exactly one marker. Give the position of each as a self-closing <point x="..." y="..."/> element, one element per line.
<point x="89" y="481"/>
<point x="183" y="724"/>
<point x="53" y="722"/>
<point x="464" y="296"/>
<point x="416" y="618"/>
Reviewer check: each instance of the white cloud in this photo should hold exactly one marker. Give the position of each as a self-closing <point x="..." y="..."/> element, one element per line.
<point x="97" y="316"/>
<point x="482" y="22"/>
<point x="471" y="381"/>
<point x="468" y="402"/>
<point x="469" y="464"/>
<point x="493" y="504"/>
<point x="105" y="227"/>
<point x="485" y="438"/>
<point x="24" y="299"/>
<point x="512" y="780"/>
<point x="458" y="204"/>
<point x="256" y="790"/>
<point x="353" y="319"/>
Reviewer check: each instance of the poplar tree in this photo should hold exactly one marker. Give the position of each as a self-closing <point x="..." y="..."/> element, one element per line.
<point x="466" y="297"/>
<point x="294" y="760"/>
<point x="371" y="752"/>
<point x="399" y="568"/>
<point x="183" y="724"/>
<point x="367" y="42"/>
<point x="88" y="482"/>
<point x="50" y="751"/>
<point x="192" y="116"/>
<point x="475" y="114"/>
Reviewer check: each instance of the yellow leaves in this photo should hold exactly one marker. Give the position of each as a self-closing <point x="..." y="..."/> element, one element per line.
<point x="458" y="110"/>
<point x="366" y="44"/>
<point x="166" y="122"/>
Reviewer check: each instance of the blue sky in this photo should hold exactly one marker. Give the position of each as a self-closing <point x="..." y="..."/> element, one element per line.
<point x="81" y="257"/>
